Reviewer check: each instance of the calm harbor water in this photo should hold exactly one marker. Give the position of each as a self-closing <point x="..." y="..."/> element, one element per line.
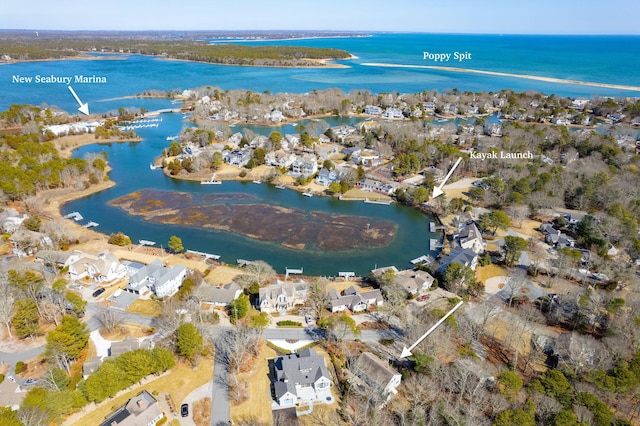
<point x="130" y="162"/>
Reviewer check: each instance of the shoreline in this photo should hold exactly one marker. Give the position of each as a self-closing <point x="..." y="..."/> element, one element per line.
<point x="86" y="56"/>
<point x="504" y="74"/>
<point x="67" y="144"/>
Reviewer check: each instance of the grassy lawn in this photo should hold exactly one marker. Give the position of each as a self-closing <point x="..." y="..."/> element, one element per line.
<point x="359" y="193"/>
<point x="343" y="285"/>
<point x="483" y="273"/>
<point x="179" y="382"/>
<point x="222" y="275"/>
<point x="258" y="406"/>
<point x="529" y="227"/>
<point x="147" y="307"/>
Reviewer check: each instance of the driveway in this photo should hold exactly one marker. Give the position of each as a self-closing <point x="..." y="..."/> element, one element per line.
<point x="202" y="392"/>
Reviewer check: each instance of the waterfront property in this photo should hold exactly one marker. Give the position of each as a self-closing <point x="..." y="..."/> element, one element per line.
<point x="281" y="296"/>
<point x="414" y="281"/>
<point x="301" y="377"/>
<point x="354" y="300"/>
<point x="219" y="295"/>
<point x="157" y="278"/>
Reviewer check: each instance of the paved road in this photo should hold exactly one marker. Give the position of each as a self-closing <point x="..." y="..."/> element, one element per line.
<point x="220" y="410"/>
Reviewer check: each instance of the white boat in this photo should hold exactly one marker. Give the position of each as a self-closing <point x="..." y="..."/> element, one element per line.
<point x="307" y="194"/>
<point x="257" y="182"/>
<point x="280" y="186"/>
<point x="212" y="181"/>
<point x="173" y="138"/>
<point x="153" y="167"/>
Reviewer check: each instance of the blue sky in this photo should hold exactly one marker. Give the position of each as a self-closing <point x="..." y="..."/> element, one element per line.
<point x="461" y="16"/>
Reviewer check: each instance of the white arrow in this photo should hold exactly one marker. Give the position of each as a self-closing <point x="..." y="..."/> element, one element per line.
<point x="84" y="108"/>
<point x="437" y="191"/>
<point x="407" y="352"/>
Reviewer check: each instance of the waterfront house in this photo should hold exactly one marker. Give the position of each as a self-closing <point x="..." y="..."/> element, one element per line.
<point x="393" y="113"/>
<point x="372" y="110"/>
<point x="377" y="374"/>
<point x="237" y="157"/>
<point x="162" y="280"/>
<point x="281" y="296"/>
<point x="301" y="377"/>
<point x="141" y="410"/>
<point x="465" y="257"/>
<point x="274" y="116"/>
<point x="326" y="177"/>
<point x="376" y="186"/>
<point x="468" y="236"/>
<point x="306" y="165"/>
<point x="280" y="158"/>
<point x="259" y="141"/>
<point x="354" y="300"/>
<point x="414" y="281"/>
<point x="219" y="295"/>
<point x="105" y="267"/>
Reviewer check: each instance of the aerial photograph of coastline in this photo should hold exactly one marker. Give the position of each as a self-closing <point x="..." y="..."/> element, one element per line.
<point x="320" y="213"/>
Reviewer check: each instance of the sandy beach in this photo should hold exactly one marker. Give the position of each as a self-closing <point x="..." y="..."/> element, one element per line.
<point x="504" y="74"/>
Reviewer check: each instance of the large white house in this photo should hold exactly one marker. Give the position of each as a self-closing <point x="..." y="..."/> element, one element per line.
<point x="155" y="277"/>
<point x="301" y="377"/>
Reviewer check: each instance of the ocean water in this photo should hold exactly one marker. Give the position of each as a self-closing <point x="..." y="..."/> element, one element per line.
<point x="598" y="59"/>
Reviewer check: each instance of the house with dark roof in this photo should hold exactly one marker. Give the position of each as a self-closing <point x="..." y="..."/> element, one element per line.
<point x="301" y="377"/>
<point x="141" y="410"/>
<point x="377" y="374"/>
<point x="354" y="300"/>
<point x="465" y="257"/>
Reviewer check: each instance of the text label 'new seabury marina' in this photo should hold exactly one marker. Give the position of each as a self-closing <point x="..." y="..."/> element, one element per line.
<point x="55" y="79"/>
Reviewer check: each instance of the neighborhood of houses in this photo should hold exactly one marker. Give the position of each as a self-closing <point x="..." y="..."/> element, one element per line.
<point x="296" y="378"/>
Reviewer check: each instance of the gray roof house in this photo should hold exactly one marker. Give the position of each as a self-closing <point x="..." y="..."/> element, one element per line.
<point x="377" y="374"/>
<point x="414" y="282"/>
<point x="162" y="280"/>
<point x="470" y="237"/>
<point x="129" y="344"/>
<point x="220" y="295"/>
<point x="141" y="410"/>
<point x="465" y="257"/>
<point x="353" y="300"/>
<point x="280" y="296"/>
<point x="301" y="377"/>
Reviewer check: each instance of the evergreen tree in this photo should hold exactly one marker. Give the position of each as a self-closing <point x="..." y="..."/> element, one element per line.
<point x="188" y="341"/>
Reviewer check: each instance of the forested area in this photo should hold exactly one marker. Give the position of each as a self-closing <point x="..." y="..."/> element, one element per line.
<point x="28" y="48"/>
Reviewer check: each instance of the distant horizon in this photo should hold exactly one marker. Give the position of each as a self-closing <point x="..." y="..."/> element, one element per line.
<point x="305" y="31"/>
<point x="542" y="17"/>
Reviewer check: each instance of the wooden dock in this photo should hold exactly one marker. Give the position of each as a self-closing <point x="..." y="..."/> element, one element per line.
<point x="206" y="255"/>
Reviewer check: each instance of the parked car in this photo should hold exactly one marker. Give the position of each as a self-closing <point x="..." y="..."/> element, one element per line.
<point x="308" y="319"/>
<point x="184" y="410"/>
<point x="98" y="292"/>
<point x="30" y="382"/>
<point x="423" y="298"/>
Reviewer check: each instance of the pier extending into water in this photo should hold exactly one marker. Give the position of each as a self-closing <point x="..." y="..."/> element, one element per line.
<point x="206" y="255"/>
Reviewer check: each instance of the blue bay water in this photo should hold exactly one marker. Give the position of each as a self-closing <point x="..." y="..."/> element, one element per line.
<point x="600" y="59"/>
<point x="612" y="60"/>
